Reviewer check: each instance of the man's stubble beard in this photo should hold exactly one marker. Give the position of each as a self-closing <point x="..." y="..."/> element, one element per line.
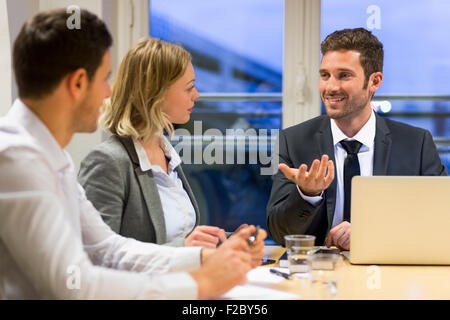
<point x="83" y="120"/>
<point x="347" y="111"/>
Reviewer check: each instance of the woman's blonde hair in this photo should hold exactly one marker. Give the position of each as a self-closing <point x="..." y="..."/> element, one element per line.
<point x="148" y="69"/>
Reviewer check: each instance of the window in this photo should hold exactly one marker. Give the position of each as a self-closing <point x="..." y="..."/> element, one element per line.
<point x="237" y="49"/>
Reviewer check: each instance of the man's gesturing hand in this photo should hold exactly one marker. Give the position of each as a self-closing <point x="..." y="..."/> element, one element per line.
<point x="314" y="181"/>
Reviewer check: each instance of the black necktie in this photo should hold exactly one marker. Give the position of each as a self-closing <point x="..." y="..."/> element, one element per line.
<point x="351" y="168"/>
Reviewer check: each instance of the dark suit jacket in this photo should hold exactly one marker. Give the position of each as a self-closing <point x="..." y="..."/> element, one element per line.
<point x="127" y="198"/>
<point x="399" y="149"/>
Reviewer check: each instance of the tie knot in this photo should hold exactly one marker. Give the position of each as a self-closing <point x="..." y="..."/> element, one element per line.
<point x="352" y="147"/>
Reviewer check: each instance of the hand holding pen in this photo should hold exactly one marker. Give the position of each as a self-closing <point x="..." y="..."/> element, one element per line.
<point x="253" y="237"/>
<point x="255" y="242"/>
<point x="256" y="245"/>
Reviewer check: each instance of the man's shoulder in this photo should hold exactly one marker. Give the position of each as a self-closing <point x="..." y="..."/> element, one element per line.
<point x="307" y="127"/>
<point x="397" y="127"/>
<point x="14" y="137"/>
<point x="23" y="164"/>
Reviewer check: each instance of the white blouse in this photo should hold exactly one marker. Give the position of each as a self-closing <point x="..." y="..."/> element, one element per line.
<point x="179" y="213"/>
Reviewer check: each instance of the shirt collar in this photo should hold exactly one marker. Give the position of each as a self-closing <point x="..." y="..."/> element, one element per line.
<point x="40" y="135"/>
<point x="169" y="152"/>
<point x="366" y="135"/>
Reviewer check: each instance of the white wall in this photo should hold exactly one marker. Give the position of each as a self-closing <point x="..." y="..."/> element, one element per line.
<point x="5" y="60"/>
<point x="301" y="100"/>
<point x="94" y="6"/>
<point x="19" y="11"/>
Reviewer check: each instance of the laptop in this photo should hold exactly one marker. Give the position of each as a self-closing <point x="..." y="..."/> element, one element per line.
<point x="400" y="220"/>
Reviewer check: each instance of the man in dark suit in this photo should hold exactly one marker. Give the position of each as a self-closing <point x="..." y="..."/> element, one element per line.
<point x="349" y="140"/>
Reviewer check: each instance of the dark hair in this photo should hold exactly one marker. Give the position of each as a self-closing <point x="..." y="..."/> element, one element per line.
<point x="46" y="50"/>
<point x="361" y="40"/>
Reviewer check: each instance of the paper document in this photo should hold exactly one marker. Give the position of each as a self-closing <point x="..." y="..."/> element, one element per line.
<point x="256" y="287"/>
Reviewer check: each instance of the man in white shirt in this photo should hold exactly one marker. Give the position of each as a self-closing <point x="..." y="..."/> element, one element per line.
<point x="349" y="140"/>
<point x="53" y="243"/>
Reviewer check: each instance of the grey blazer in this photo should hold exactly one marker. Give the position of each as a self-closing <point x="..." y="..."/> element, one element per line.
<point x="127" y="197"/>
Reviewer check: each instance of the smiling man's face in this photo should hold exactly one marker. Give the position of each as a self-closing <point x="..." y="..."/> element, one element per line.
<point x="342" y="84"/>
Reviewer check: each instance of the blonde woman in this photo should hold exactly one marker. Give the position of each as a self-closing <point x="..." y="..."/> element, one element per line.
<point x="135" y="178"/>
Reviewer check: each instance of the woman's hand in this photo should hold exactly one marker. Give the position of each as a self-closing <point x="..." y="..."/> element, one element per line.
<point x="205" y="236"/>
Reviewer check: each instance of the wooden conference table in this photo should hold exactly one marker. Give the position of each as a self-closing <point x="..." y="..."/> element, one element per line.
<point x="356" y="282"/>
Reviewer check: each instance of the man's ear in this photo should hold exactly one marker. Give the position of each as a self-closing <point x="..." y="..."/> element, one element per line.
<point x="375" y="81"/>
<point x="77" y="83"/>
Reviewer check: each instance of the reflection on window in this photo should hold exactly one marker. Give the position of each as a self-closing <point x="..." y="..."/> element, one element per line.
<point x="240" y="51"/>
<point x="223" y="115"/>
<point x="204" y="61"/>
<point x="230" y="195"/>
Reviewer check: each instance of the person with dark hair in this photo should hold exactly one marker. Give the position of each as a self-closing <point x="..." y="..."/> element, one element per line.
<point x="359" y="39"/>
<point x="46" y="50"/>
<point x="351" y="139"/>
<point x="53" y="242"/>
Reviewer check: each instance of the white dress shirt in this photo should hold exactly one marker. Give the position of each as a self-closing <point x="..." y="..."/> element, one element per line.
<point x="365" y="157"/>
<point x="179" y="213"/>
<point x="53" y="242"/>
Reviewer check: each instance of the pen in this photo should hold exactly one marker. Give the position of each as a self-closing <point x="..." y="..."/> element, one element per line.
<point x="281" y="274"/>
<point x="253" y="237"/>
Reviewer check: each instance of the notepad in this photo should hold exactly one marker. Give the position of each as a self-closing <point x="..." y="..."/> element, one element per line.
<point x="255" y="288"/>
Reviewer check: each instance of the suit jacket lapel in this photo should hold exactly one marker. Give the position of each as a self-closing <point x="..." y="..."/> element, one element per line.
<point x="153" y="202"/>
<point x="188" y="189"/>
<point x="325" y="141"/>
<point x="149" y="192"/>
<point x="382" y="148"/>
